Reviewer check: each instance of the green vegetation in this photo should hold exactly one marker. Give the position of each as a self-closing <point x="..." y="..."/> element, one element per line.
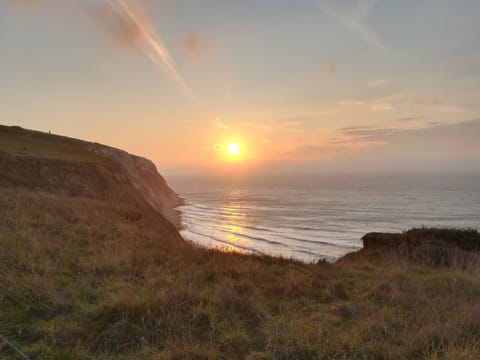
<point x="79" y="280"/>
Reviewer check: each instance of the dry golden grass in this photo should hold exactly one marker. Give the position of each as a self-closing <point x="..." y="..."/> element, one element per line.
<point x="82" y="279"/>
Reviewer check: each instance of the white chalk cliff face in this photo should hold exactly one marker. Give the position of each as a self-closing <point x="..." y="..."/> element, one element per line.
<point x="144" y="176"/>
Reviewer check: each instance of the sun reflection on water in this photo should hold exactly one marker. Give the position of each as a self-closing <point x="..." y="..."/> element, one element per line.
<point x="232" y="224"/>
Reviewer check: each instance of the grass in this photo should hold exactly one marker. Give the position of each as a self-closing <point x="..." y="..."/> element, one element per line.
<point x="21" y="142"/>
<point x="79" y="279"/>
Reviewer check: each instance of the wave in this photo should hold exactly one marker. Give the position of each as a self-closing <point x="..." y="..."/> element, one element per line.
<point x="316" y="242"/>
<point x="213" y="230"/>
<point x="225" y="242"/>
<point x="250" y="237"/>
<point x="256" y="228"/>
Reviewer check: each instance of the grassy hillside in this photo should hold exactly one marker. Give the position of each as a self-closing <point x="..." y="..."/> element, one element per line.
<point x="21" y="142"/>
<point x="85" y="277"/>
<point x="31" y="160"/>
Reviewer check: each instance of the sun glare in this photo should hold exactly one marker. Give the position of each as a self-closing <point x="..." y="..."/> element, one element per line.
<point x="233" y="149"/>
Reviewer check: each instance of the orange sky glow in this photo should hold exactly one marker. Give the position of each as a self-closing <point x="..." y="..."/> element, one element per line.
<point x="305" y="86"/>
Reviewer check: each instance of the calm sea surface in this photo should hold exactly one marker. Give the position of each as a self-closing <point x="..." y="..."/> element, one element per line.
<point x="315" y="217"/>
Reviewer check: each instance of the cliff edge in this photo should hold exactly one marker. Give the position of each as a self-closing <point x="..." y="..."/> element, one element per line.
<point x="64" y="166"/>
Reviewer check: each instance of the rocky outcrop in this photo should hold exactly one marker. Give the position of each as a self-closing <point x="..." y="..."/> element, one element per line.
<point x="466" y="239"/>
<point x="375" y="240"/>
<point x="424" y="246"/>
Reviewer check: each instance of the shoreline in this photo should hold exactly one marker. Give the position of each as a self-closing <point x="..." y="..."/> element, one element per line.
<point x="223" y="245"/>
<point x="369" y="240"/>
<point x="313" y="218"/>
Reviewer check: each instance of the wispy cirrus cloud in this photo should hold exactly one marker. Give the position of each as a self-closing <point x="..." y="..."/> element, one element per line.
<point x="408" y="119"/>
<point x="128" y="24"/>
<point x="369" y="133"/>
<point x="377" y="105"/>
<point x="356" y="21"/>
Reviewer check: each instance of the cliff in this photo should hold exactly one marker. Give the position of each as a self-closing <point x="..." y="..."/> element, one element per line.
<point x="64" y="166"/>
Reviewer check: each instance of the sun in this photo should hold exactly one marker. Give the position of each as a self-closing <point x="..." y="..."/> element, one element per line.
<point x="233" y="149"/>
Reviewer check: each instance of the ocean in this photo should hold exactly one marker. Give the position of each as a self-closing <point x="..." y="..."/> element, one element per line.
<point x="319" y="217"/>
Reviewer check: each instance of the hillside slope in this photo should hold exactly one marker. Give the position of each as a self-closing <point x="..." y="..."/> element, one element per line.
<point x="64" y="166"/>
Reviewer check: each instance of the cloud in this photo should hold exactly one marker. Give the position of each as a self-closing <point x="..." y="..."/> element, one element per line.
<point x="291" y="125"/>
<point x="351" y="103"/>
<point x="350" y="128"/>
<point x="375" y="106"/>
<point x="220" y="123"/>
<point x="330" y="68"/>
<point x="196" y="46"/>
<point x="369" y="133"/>
<point x="128" y="25"/>
<point x="435" y="103"/>
<point x="307" y="153"/>
<point x="123" y="29"/>
<point x="408" y="119"/>
<point x="328" y="151"/>
<point x="382" y="106"/>
<point x="446" y="148"/>
<point x="356" y="21"/>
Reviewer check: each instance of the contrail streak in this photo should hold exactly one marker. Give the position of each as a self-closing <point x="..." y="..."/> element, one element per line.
<point x="158" y="54"/>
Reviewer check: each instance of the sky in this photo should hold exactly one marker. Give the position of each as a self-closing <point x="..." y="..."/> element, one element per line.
<point x="301" y="86"/>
